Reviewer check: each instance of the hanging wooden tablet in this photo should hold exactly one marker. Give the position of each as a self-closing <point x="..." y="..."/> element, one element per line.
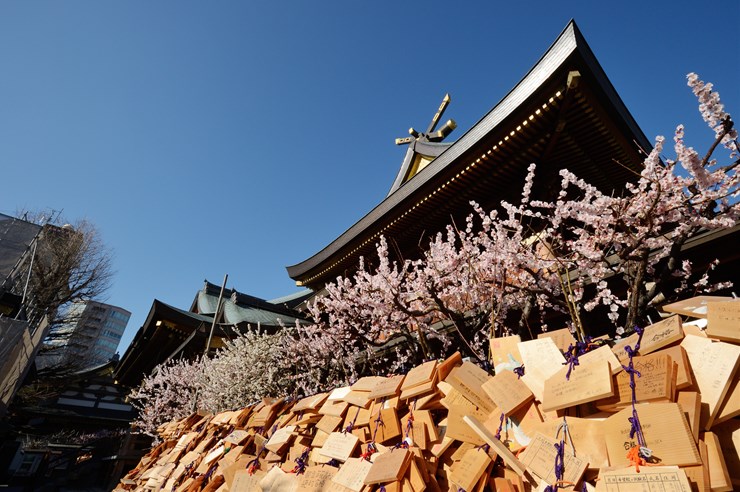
<point x="587" y="436"/>
<point x="719" y="475"/>
<point x="468" y="379"/>
<point x="663" y="478"/>
<point x="386" y="387"/>
<point x="352" y="474"/>
<point x="467" y="472"/>
<point x="655" y="383"/>
<point x="714" y="365"/>
<point x="389" y="466"/>
<point x="666" y="431"/>
<point x="505" y="353"/>
<point x="539" y="457"/>
<point x="730" y="407"/>
<point x="541" y="360"/>
<point x="339" y="445"/>
<point x="655" y="337"/>
<point x="508" y="392"/>
<point x="723" y="320"/>
<point x="695" y="307"/>
<point x="588" y="382"/>
<point x="563" y="338"/>
<point x="316" y="479"/>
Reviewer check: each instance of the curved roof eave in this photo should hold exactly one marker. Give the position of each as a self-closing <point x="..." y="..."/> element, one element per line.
<point x="568" y="43"/>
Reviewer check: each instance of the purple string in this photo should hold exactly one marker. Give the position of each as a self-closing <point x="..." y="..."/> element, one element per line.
<point x="255" y="463"/>
<point x="519" y="371"/>
<point x="571" y="356"/>
<point x="210" y="471"/>
<point x="636" y="427"/>
<point x="410" y="420"/>
<point x="302" y="462"/>
<point x="379" y="420"/>
<point x="575" y="351"/>
<point x="351" y="425"/>
<point x="559" y="466"/>
<point x="500" y="426"/>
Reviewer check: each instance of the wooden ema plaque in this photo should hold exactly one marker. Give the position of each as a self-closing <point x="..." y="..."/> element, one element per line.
<point x="588" y="382"/>
<point x="417" y="476"/>
<point x="719" y="475"/>
<point x="587" y="435"/>
<point x="311" y="402"/>
<point x="714" y="365"/>
<point x="496" y="446"/>
<point x="505" y="353"/>
<point x="339" y="393"/>
<point x="358" y="399"/>
<point x="684" y="378"/>
<point x="468" y="379"/>
<point x="695" y="307"/>
<point x="508" y="392"/>
<point x="388" y="428"/>
<point x="467" y="472"/>
<point x="655" y="337"/>
<point x="542" y="359"/>
<point x="723" y="320"/>
<point x="690" y="402"/>
<point x="729" y="442"/>
<point x="334" y="408"/>
<point x="387" y="387"/>
<point x="563" y="338"/>
<point x="419" y="375"/>
<point x="367" y="383"/>
<point x="425" y="417"/>
<point x="419" y="435"/>
<point x="666" y="431"/>
<point x="444" y="367"/>
<point x="319" y="438"/>
<point x="328" y="423"/>
<point x="518" y="428"/>
<point x="243" y="481"/>
<point x="731" y="406"/>
<point x="316" y="479"/>
<point x="459" y="430"/>
<point x="455" y="399"/>
<point x="655" y="383"/>
<point x="602" y="353"/>
<point x="649" y="478"/>
<point x="359" y="417"/>
<point x="280" y="438"/>
<point x="352" y="474"/>
<point x="539" y="458"/>
<point x="698" y="475"/>
<point x="389" y="466"/>
<point x="424" y="389"/>
<point x="339" y="445"/>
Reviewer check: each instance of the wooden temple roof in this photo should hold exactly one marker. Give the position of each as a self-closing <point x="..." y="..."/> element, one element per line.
<point x="166" y="332"/>
<point x="172" y="332"/>
<point x="563" y="114"/>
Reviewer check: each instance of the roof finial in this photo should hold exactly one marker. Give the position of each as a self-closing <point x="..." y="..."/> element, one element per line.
<point x="430" y="135"/>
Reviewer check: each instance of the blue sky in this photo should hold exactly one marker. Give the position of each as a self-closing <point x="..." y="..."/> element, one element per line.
<point x="205" y="138"/>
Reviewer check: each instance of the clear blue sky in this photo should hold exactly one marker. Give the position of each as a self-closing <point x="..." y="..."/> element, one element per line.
<point x="205" y="138"/>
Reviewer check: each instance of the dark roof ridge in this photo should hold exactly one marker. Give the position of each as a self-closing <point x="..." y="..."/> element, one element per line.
<point x="569" y="42"/>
